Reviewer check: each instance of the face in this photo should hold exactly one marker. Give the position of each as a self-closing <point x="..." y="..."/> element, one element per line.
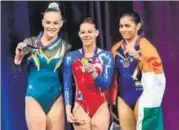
<point x="52" y="22"/>
<point x="128" y="28"/>
<point x="88" y="34"/>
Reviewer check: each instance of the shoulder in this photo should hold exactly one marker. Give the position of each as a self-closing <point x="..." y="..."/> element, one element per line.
<point x="146" y="45"/>
<point x="106" y="56"/>
<point x="105" y="52"/>
<point x="72" y="55"/>
<point x="115" y="47"/>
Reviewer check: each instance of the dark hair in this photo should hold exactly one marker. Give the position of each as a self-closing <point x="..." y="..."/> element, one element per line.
<point x="54" y="7"/>
<point x="88" y="20"/>
<point x="135" y="17"/>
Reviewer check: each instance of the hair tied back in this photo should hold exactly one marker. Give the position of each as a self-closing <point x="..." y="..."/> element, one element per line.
<point x="53" y="5"/>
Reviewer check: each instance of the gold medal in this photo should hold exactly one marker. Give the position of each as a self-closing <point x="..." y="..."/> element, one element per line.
<point x="84" y="60"/>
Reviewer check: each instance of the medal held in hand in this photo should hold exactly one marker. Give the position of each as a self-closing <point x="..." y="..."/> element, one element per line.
<point x="84" y="60"/>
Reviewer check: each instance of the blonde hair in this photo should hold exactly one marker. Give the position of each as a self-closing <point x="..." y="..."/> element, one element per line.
<point x="53" y="6"/>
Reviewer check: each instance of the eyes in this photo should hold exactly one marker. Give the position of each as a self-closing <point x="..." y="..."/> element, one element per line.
<point x="55" y="22"/>
<point x="88" y="31"/>
<point x="125" y="25"/>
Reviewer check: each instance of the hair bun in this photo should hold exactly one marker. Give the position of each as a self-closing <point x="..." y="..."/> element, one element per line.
<point x="53" y="5"/>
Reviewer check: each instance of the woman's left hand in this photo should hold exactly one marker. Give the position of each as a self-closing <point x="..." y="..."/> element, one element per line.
<point x="113" y="116"/>
<point x="89" y="67"/>
<point x="135" y="54"/>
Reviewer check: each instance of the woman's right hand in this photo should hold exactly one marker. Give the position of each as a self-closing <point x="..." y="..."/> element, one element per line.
<point x="70" y="116"/>
<point x="113" y="116"/>
<point x="19" y="54"/>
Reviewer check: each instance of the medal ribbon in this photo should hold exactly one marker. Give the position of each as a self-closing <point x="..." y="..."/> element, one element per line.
<point x="86" y="59"/>
<point x="50" y="46"/>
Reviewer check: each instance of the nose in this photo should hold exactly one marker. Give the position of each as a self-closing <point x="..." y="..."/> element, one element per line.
<point x="85" y="34"/>
<point x="51" y="26"/>
<point x="121" y="29"/>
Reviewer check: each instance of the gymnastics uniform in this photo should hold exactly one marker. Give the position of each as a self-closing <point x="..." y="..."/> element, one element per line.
<point x="130" y="88"/>
<point x="90" y="93"/>
<point x="153" y="83"/>
<point x="43" y="71"/>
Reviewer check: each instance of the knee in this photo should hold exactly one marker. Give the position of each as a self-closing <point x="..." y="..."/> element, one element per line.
<point x="95" y="124"/>
<point x="37" y="124"/>
<point x="55" y="119"/>
<point x="100" y="125"/>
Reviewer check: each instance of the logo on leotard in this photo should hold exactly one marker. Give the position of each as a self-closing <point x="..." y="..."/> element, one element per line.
<point x="79" y="96"/>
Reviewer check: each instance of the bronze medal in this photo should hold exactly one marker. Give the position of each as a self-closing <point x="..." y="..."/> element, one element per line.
<point x="126" y="63"/>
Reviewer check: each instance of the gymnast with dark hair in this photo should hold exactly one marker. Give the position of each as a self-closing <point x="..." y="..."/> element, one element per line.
<point x="141" y="77"/>
<point x="92" y="69"/>
<point x="44" y="107"/>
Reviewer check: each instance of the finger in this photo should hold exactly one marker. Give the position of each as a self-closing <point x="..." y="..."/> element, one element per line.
<point x="125" y="52"/>
<point x="21" y="45"/>
<point x="88" y="64"/>
<point x="87" y="67"/>
<point x="17" y="51"/>
<point x="89" y="70"/>
<point x="131" y="54"/>
<point x="71" y="117"/>
<point x="71" y="120"/>
<point x="139" y="51"/>
<point x="19" y="48"/>
<point x="24" y="44"/>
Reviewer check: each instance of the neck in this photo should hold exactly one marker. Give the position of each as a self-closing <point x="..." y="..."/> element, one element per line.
<point x="47" y="40"/>
<point x="89" y="50"/>
<point x="131" y="41"/>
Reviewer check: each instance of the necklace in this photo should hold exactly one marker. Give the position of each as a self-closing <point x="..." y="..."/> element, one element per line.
<point x="51" y="46"/>
<point x="89" y="59"/>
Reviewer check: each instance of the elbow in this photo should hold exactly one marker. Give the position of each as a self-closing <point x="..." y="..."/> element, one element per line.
<point x="105" y="85"/>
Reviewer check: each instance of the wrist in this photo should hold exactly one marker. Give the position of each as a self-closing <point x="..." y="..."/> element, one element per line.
<point x="139" y="58"/>
<point x="68" y="108"/>
<point x="94" y="74"/>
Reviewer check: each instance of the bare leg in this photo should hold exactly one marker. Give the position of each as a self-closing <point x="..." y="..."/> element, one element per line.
<point x="126" y="116"/>
<point x="35" y="116"/>
<point x="101" y="119"/>
<point x="56" y="117"/>
<point x="82" y="117"/>
<point x="136" y="110"/>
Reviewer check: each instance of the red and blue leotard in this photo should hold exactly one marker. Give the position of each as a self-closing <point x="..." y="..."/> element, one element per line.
<point x="90" y="93"/>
